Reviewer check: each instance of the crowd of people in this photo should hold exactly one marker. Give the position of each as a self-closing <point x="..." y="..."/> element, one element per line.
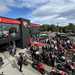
<point x="12" y="48"/>
<point x="58" y="55"/>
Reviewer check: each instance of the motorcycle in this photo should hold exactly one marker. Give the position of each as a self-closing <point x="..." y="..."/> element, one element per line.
<point x="39" y="67"/>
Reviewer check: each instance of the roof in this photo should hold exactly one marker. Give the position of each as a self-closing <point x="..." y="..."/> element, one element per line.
<point x="9" y="20"/>
<point x="33" y="25"/>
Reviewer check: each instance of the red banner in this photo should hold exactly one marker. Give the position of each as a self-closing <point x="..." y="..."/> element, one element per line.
<point x="9" y="21"/>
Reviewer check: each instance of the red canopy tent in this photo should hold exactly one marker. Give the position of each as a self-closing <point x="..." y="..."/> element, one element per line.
<point x="38" y="44"/>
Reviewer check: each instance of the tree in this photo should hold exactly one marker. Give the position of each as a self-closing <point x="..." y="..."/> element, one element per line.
<point x="54" y="28"/>
<point x="69" y="27"/>
<point x="45" y="27"/>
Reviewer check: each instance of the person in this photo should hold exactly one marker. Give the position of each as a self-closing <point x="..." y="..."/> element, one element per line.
<point x="20" y="62"/>
<point x="13" y="50"/>
<point x="53" y="72"/>
<point x="37" y="54"/>
<point x="52" y="57"/>
<point x="10" y="49"/>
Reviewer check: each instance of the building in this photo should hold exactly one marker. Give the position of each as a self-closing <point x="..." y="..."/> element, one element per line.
<point x="19" y="30"/>
<point x="14" y="30"/>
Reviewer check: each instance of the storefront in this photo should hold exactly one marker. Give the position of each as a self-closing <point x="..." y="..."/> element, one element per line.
<point x="14" y="30"/>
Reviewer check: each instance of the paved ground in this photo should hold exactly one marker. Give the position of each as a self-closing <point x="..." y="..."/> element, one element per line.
<point x="11" y="68"/>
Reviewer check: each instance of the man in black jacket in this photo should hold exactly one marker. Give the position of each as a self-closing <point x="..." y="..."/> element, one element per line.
<point x="20" y="62"/>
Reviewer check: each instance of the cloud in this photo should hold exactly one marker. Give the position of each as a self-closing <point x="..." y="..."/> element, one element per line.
<point x="4" y="9"/>
<point x="61" y="18"/>
<point x="53" y="8"/>
<point x="65" y="11"/>
<point x="69" y="14"/>
<point x="72" y="0"/>
<point x="44" y="11"/>
<point x="33" y="3"/>
<point x="48" y="21"/>
<point x="5" y="5"/>
<point x="25" y="3"/>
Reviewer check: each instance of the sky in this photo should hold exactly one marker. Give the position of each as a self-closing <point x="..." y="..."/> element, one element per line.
<point x="40" y="11"/>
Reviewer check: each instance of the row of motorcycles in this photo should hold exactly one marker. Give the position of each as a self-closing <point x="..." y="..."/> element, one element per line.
<point x="61" y="66"/>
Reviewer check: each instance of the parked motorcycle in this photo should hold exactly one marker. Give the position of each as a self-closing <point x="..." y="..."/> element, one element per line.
<point x="39" y="67"/>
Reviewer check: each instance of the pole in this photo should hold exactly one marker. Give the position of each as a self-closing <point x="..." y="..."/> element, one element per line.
<point x="2" y="30"/>
<point x="57" y="27"/>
